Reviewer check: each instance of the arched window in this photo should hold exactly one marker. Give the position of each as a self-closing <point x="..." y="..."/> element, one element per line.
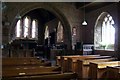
<point x="34" y="29"/>
<point x="18" y="29"/>
<point x="46" y="32"/>
<point x="26" y="27"/>
<point x="59" y="32"/>
<point x="105" y="34"/>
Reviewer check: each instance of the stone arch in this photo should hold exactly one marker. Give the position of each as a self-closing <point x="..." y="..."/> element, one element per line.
<point x="60" y="15"/>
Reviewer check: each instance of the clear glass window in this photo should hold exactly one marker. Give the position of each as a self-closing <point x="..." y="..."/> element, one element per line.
<point x="59" y="32"/>
<point x="26" y="27"/>
<point x="18" y="28"/>
<point x="106" y="33"/>
<point x="34" y="29"/>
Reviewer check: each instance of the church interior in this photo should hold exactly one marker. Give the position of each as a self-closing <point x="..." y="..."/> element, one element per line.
<point x="60" y="41"/>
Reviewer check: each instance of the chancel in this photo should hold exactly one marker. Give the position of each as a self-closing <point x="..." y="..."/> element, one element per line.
<point x="60" y="40"/>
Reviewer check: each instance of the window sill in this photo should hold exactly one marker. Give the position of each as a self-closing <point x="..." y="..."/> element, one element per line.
<point x="104" y="50"/>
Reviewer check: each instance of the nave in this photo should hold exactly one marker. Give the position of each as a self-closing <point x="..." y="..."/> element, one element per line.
<point x="72" y="67"/>
<point x="60" y="40"/>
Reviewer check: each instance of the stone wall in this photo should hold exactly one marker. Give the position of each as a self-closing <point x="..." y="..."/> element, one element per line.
<point x="69" y="16"/>
<point x="66" y="12"/>
<point x="91" y="17"/>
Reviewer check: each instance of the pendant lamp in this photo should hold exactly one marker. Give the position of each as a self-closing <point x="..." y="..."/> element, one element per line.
<point x="84" y="23"/>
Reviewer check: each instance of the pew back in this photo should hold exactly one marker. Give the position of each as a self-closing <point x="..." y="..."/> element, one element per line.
<point x="59" y="58"/>
<point x="61" y="76"/>
<point x="67" y="61"/>
<point x="23" y="61"/>
<point x="22" y="71"/>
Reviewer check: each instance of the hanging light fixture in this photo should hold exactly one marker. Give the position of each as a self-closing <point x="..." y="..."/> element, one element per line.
<point x="84" y="23"/>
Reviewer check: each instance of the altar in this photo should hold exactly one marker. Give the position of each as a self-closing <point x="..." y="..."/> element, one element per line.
<point x="22" y="48"/>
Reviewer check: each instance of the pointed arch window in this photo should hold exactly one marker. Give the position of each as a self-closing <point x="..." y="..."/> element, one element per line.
<point x="46" y="32"/>
<point x="105" y="34"/>
<point x="59" y="32"/>
<point x="108" y="31"/>
<point x="26" y="27"/>
<point x="34" y="29"/>
<point x="18" y="29"/>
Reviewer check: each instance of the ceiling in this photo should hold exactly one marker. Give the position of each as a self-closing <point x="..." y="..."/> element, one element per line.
<point x="90" y="6"/>
<point x="45" y="16"/>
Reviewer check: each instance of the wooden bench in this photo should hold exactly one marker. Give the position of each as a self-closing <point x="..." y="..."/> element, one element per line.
<point x="60" y="76"/>
<point x="59" y="58"/>
<point x="98" y="69"/>
<point x="12" y="61"/>
<point x="24" y="61"/>
<point x="81" y="67"/>
<point x="31" y="70"/>
<point x="65" y="62"/>
<point x="28" y="69"/>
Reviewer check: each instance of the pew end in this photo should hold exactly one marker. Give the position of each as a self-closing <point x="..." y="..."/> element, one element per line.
<point x="113" y="72"/>
<point x="98" y="70"/>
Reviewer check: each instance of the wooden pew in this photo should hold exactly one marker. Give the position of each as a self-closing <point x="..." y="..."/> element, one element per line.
<point x="24" y="61"/>
<point x="58" y="63"/>
<point x="81" y="67"/>
<point x="66" y="64"/>
<point x="27" y="71"/>
<point x="14" y="61"/>
<point x="59" y="58"/>
<point x="60" y="76"/>
<point x="98" y="69"/>
<point x="113" y="73"/>
<point x="17" y="70"/>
